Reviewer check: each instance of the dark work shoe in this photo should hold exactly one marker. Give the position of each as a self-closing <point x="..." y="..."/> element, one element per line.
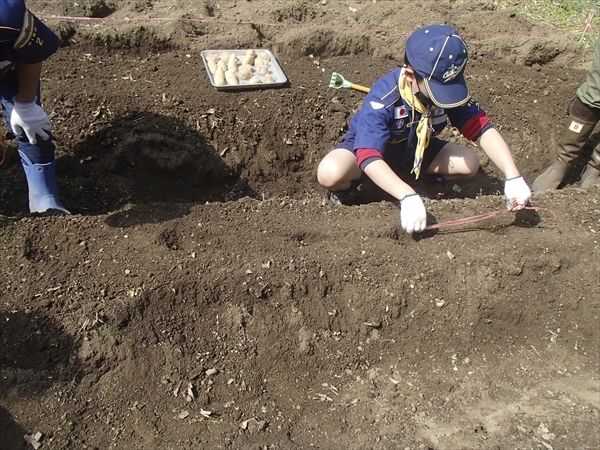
<point x="431" y="186"/>
<point x="345" y="197"/>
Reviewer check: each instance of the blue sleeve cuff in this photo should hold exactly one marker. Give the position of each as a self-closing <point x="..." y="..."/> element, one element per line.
<point x="368" y="161"/>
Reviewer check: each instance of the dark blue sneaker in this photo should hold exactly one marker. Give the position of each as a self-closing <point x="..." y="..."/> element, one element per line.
<point x="345" y="197"/>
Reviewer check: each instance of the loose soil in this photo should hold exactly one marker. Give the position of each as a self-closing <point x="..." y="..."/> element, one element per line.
<point x="205" y="295"/>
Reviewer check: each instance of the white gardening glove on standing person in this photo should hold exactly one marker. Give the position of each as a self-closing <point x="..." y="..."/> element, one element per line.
<point x="413" y="215"/>
<point x="31" y="119"/>
<point x="517" y="193"/>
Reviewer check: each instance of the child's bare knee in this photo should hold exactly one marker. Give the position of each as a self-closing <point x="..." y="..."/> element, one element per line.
<point x="328" y="173"/>
<point x="472" y="164"/>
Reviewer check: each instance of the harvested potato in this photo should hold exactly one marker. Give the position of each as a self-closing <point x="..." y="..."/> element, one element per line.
<point x="212" y="66"/>
<point x="262" y="70"/>
<point x="232" y="64"/>
<point x="225" y="56"/>
<point x="254" y="80"/>
<point x="212" y="57"/>
<point x="245" y="72"/>
<point x="231" y="78"/>
<point x="246" y="66"/>
<point x="263" y="55"/>
<point x="269" y="78"/>
<point x="261" y="62"/>
<point x="222" y="65"/>
<point x="219" y="78"/>
<point x="249" y="58"/>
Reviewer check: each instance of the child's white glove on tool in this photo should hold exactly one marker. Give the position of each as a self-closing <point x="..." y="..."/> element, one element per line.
<point x="413" y="216"/>
<point x="517" y="193"/>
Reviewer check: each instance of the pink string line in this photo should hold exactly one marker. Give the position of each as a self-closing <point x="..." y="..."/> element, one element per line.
<point x="281" y="25"/>
<point x="480" y="217"/>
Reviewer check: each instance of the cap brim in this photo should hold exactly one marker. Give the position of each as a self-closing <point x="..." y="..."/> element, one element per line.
<point x="452" y="94"/>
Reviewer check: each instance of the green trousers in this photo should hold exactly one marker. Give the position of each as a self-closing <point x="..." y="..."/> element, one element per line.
<point x="589" y="91"/>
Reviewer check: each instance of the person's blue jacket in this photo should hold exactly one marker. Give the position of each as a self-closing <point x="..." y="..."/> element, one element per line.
<point x="23" y="36"/>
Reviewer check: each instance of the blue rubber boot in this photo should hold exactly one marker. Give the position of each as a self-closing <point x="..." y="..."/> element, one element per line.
<point x="41" y="180"/>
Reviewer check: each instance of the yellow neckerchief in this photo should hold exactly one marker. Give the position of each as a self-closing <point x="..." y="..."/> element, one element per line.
<point x="424" y="126"/>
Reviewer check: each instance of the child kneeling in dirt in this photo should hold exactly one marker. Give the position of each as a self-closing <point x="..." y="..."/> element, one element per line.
<point x="25" y="42"/>
<point x="396" y="126"/>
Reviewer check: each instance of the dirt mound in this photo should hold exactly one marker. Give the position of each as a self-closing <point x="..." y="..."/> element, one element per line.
<point x="204" y="294"/>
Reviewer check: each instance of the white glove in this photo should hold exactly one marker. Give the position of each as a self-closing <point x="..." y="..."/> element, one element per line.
<point x="29" y="117"/>
<point x="517" y="193"/>
<point x="413" y="216"/>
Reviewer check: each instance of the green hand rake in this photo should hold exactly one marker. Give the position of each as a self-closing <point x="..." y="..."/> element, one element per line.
<point x="339" y="82"/>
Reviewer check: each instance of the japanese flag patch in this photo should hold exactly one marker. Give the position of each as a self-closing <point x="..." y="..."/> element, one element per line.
<point x="400" y="112"/>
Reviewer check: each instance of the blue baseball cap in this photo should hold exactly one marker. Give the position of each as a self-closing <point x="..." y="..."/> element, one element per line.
<point x="439" y="55"/>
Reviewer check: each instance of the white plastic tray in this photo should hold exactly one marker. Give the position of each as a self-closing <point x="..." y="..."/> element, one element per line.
<point x="272" y="68"/>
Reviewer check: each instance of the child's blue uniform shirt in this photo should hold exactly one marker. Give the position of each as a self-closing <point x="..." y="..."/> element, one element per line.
<point x="384" y="121"/>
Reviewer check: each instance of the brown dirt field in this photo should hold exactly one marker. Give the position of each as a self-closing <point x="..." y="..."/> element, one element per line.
<point x="205" y="295"/>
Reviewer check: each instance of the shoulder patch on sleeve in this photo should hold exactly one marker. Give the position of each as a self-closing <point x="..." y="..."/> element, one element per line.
<point x="26" y="31"/>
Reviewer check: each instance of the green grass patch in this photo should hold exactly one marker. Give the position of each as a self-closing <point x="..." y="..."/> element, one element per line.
<point x="561" y="14"/>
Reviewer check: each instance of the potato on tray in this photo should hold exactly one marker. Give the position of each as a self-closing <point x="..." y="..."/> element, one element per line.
<point x="242" y="69"/>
